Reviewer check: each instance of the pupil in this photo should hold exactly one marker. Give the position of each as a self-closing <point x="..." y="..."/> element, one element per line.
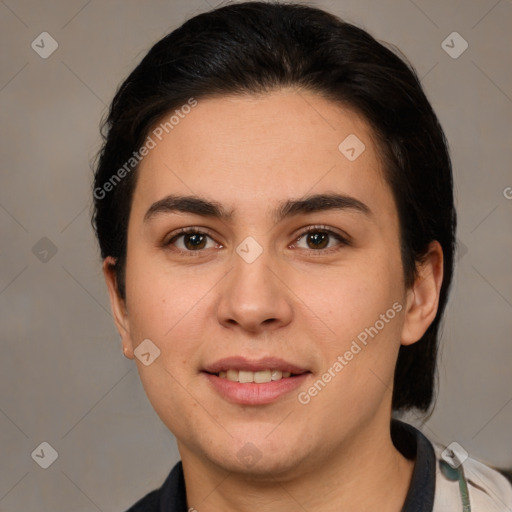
<point x="195" y="240"/>
<point x="318" y="238"/>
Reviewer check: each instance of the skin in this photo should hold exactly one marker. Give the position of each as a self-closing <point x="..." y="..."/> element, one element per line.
<point x="295" y="301"/>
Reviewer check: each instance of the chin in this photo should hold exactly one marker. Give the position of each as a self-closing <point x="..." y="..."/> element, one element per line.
<point x="260" y="460"/>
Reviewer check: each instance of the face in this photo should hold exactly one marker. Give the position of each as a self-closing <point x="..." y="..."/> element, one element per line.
<point x="301" y="273"/>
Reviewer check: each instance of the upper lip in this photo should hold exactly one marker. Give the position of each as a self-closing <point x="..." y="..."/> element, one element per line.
<point x="255" y="365"/>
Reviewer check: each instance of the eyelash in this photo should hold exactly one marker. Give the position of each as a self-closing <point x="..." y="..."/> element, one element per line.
<point x="311" y="229"/>
<point x="343" y="240"/>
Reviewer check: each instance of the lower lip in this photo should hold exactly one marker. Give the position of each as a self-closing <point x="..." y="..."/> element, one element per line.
<point x="251" y="393"/>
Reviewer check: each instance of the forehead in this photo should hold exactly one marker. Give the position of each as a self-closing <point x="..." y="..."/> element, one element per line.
<point x="252" y="150"/>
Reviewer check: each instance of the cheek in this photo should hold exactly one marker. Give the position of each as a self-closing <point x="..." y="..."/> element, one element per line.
<point x="363" y="306"/>
<point x="359" y="361"/>
<point x="160" y="298"/>
<point x="164" y="307"/>
<point x="351" y="297"/>
<point x="169" y="392"/>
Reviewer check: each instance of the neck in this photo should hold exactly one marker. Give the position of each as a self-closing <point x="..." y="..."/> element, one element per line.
<point x="366" y="472"/>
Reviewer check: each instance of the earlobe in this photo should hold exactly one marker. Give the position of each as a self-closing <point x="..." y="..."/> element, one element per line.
<point x="423" y="296"/>
<point x="118" y="306"/>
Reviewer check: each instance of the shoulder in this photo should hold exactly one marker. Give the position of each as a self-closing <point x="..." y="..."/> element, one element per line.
<point x="171" y="496"/>
<point x="463" y="482"/>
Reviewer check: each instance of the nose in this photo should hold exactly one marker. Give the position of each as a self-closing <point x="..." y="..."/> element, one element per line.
<point x="254" y="296"/>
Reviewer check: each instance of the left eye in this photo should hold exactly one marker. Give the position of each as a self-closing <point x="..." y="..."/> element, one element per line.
<point x="316" y="238"/>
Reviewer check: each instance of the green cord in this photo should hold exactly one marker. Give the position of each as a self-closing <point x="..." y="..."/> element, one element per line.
<point x="464" y="492"/>
<point x="454" y="475"/>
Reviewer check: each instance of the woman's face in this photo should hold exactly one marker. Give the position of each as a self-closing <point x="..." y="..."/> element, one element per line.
<point x="252" y="290"/>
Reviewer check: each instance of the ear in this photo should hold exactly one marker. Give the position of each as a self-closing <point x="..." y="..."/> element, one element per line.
<point x="423" y="297"/>
<point x="118" y="306"/>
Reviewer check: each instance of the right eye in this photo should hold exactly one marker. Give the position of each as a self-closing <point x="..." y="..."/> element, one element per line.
<point x="191" y="240"/>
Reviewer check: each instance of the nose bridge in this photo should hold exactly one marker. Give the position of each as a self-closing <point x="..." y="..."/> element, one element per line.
<point x="253" y="295"/>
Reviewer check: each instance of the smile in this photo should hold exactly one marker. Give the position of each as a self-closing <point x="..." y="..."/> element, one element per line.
<point x="260" y="377"/>
<point x="254" y="382"/>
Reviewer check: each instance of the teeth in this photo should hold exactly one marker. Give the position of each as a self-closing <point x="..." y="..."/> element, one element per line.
<point x="276" y="374"/>
<point x="244" y="376"/>
<point x="261" y="377"/>
<point x="232" y="375"/>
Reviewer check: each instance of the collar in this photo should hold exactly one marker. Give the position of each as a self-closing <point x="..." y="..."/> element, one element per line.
<point x="412" y="444"/>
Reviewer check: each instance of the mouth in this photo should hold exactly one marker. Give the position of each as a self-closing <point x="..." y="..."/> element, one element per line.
<point x="266" y="369"/>
<point x="255" y="382"/>
<point x="259" y="377"/>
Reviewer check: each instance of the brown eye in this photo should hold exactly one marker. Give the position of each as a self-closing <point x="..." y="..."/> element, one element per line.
<point x="317" y="240"/>
<point x="194" y="241"/>
<point x="191" y="240"/>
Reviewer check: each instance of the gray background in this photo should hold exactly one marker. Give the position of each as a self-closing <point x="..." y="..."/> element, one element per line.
<point x="63" y="377"/>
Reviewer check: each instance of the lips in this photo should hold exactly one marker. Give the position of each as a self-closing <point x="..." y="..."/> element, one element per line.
<point x="254" y="382"/>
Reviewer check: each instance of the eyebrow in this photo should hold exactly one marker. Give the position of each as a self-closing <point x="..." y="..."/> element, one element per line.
<point x="290" y="208"/>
